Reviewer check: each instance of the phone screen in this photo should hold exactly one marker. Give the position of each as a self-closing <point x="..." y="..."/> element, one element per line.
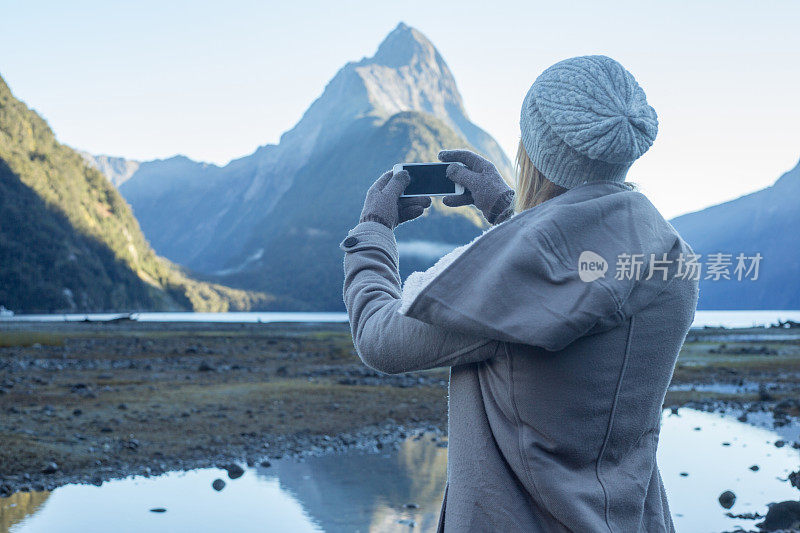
<point x="429" y="178"/>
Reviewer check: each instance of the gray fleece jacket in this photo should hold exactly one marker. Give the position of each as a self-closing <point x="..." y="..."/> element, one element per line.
<point x="556" y="384"/>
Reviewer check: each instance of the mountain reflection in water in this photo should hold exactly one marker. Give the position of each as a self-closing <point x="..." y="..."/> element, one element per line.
<point x="18" y="506"/>
<point x="372" y="497"/>
<point x="358" y="491"/>
<point x="701" y="455"/>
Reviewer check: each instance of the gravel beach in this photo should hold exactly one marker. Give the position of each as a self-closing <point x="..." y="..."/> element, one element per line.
<point x="89" y="401"/>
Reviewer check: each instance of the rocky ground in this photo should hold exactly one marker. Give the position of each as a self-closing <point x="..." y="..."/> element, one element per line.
<point x="86" y="402"/>
<point x="751" y="370"/>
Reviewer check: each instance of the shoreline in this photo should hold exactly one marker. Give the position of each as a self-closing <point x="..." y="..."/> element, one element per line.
<point x="372" y="438"/>
<point x="111" y="400"/>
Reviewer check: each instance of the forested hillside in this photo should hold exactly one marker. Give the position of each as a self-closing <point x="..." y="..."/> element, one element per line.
<point x="68" y="240"/>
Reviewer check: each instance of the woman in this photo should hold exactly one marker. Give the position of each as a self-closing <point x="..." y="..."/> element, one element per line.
<point x="561" y="324"/>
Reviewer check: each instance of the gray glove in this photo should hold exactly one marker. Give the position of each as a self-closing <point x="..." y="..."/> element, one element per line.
<point x="383" y="203"/>
<point x="484" y="185"/>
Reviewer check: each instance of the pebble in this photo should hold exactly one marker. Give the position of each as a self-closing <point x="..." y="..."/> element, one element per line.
<point x="50" y="468"/>
<point x="234" y="471"/>
<point x="218" y="484"/>
<point x="726" y="499"/>
<point x="755" y="468"/>
<point x="794" y="479"/>
<point x="158" y="510"/>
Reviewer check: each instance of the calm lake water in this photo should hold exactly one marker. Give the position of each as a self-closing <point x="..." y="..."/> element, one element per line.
<point x="371" y="491"/>
<point x="730" y="319"/>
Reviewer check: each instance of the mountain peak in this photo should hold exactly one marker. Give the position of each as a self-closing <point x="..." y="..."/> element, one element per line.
<point x="406" y="73"/>
<point x="403" y="46"/>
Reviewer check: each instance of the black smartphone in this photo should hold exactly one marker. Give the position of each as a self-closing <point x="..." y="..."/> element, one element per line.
<point x="428" y="179"/>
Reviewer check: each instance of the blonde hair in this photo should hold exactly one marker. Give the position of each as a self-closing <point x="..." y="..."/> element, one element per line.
<point x="532" y="187"/>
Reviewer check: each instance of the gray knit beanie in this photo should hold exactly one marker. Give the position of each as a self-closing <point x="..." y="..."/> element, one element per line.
<point x="586" y="119"/>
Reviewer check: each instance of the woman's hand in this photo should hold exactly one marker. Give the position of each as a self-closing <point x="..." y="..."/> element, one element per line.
<point x="484" y="185"/>
<point x="383" y="203"/>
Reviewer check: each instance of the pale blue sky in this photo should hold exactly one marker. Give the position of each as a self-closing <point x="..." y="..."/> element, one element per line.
<point x="214" y="80"/>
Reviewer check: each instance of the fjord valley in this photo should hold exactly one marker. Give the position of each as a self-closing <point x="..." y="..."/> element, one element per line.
<point x="271" y="221"/>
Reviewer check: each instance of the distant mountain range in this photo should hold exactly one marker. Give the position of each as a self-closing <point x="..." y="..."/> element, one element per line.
<point x="117" y="169"/>
<point x="211" y="219"/>
<point x="68" y="240"/>
<point x="271" y="221"/>
<point x="765" y="222"/>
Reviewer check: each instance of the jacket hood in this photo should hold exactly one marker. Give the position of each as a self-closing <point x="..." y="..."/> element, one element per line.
<point x="555" y="272"/>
